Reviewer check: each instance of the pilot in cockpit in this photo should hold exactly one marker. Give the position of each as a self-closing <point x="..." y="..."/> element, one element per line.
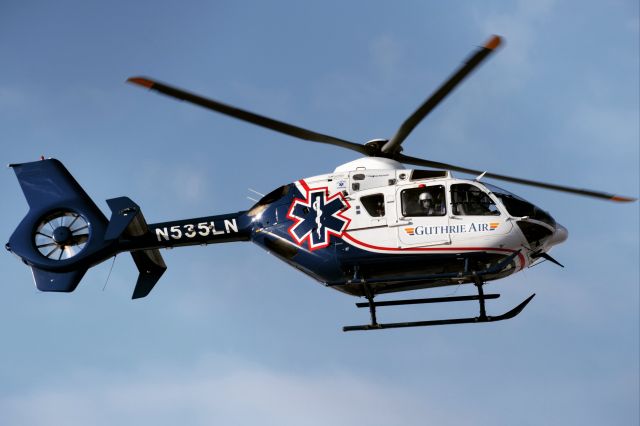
<point x="426" y="202"/>
<point x="431" y="206"/>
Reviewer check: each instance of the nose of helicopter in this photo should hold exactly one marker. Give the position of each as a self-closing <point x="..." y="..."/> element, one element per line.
<point x="559" y="235"/>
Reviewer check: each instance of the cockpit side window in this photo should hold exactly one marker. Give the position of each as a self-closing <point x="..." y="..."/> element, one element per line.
<point x="424" y="201"/>
<point x="469" y="200"/>
<point x="373" y="204"/>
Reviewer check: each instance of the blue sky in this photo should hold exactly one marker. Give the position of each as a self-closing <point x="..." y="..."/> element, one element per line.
<point x="232" y="336"/>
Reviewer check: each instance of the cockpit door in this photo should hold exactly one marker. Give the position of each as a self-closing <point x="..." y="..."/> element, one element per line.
<point x="474" y="215"/>
<point x="422" y="215"/>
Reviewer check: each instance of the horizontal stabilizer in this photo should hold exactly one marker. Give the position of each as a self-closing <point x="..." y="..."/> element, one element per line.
<point x="127" y="220"/>
<point x="57" y="281"/>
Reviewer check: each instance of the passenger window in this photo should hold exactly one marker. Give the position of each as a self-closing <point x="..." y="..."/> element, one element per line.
<point x="469" y="200"/>
<point x="374" y="204"/>
<point x="423" y="201"/>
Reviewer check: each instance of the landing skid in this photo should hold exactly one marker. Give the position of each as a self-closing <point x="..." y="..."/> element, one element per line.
<point x="471" y="320"/>
<point x="481" y="297"/>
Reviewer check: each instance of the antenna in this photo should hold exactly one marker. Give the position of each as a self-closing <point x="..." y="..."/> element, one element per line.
<point x="256" y="192"/>
<point x="480" y="176"/>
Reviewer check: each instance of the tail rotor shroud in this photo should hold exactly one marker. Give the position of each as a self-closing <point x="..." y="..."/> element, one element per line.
<point x="64" y="233"/>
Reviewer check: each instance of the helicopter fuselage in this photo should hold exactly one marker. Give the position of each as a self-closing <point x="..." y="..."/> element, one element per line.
<point x="373" y="220"/>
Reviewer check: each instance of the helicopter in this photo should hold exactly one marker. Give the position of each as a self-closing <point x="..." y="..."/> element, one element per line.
<point x="370" y="227"/>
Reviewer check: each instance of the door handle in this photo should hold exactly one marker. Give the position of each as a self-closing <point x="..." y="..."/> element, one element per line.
<point x="400" y="223"/>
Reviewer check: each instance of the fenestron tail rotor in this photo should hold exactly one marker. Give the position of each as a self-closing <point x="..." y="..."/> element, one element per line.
<point x="62" y="235"/>
<point x="379" y="147"/>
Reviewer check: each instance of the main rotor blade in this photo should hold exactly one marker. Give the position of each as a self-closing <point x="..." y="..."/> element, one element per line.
<point x="260" y="120"/>
<point x="433" y="101"/>
<point x="587" y="192"/>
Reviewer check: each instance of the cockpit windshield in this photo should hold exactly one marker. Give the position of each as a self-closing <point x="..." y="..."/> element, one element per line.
<point x="519" y="207"/>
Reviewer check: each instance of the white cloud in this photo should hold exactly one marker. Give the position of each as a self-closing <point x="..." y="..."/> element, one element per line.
<point x="220" y="391"/>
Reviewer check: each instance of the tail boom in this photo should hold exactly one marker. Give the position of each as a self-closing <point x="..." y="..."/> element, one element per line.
<point x="197" y="231"/>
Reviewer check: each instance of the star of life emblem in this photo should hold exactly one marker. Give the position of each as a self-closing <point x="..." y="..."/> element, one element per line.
<point x="317" y="217"/>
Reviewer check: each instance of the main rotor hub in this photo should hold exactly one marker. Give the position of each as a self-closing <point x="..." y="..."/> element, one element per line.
<point x="374" y="148"/>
